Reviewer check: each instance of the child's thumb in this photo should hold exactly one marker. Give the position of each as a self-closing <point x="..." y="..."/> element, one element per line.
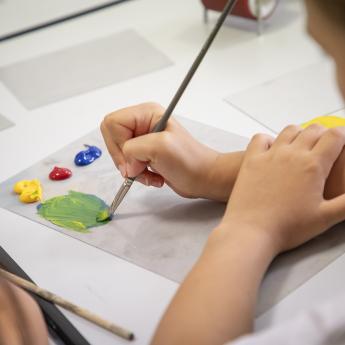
<point x="138" y="152"/>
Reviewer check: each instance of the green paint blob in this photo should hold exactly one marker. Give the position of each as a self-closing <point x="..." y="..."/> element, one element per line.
<point x="75" y="211"/>
<point x="103" y="215"/>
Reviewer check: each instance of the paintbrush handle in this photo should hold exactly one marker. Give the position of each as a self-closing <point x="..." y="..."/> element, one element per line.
<point x="161" y="124"/>
<point x="84" y="313"/>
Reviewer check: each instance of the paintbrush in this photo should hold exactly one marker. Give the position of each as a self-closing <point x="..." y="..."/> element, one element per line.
<point x="49" y="296"/>
<point x="161" y="124"/>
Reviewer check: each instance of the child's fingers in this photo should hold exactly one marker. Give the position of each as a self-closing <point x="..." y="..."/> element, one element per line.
<point x="330" y="146"/>
<point x="114" y="150"/>
<point x="287" y="135"/>
<point x="149" y="178"/>
<point x="259" y="143"/>
<point x="145" y="150"/>
<point x="133" y="121"/>
<point x="124" y="124"/>
<point x="309" y="137"/>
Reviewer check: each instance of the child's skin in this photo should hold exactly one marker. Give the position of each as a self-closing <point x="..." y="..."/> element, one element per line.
<point x="21" y="321"/>
<point x="269" y="210"/>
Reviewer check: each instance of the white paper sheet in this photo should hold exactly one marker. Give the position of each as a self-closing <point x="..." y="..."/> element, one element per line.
<point x="81" y="68"/>
<point x="5" y="123"/>
<point x="293" y="98"/>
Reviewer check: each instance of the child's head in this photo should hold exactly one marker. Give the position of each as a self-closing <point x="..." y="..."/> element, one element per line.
<point x="326" y="23"/>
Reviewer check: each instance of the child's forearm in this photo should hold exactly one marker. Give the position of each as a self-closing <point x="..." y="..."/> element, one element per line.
<point x="223" y="174"/>
<point x="216" y="302"/>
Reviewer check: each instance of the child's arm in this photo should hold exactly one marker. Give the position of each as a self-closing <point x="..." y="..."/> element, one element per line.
<point x="276" y="205"/>
<point x="190" y="168"/>
<point x="227" y="167"/>
<point x="216" y="302"/>
<point x="21" y="321"/>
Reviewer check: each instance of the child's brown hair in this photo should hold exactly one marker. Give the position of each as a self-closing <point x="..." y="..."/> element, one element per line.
<point x="333" y="9"/>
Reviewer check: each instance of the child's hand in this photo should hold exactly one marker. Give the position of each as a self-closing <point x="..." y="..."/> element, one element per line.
<point x="172" y="156"/>
<point x="280" y="188"/>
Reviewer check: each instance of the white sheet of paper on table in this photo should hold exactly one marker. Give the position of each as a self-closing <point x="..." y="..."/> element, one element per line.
<point x="81" y="68"/>
<point x="158" y="230"/>
<point x="293" y="98"/>
<point x="5" y="123"/>
<point x="340" y="113"/>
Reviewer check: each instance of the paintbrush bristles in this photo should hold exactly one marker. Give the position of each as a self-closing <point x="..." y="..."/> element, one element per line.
<point x="111" y="327"/>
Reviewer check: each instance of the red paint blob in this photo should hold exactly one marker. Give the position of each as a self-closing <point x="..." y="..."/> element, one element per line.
<point x="58" y="174"/>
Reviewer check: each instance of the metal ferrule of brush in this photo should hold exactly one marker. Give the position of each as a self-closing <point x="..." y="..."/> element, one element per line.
<point x="126" y="185"/>
<point x="128" y="182"/>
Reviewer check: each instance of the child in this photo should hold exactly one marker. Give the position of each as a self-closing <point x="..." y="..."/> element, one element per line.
<point x="269" y="211"/>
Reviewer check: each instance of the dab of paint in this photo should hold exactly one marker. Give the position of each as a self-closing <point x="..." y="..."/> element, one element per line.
<point x="75" y="211"/>
<point x="104" y="215"/>
<point x="88" y="156"/>
<point x="58" y="174"/>
<point x="29" y="191"/>
<point x="326" y="121"/>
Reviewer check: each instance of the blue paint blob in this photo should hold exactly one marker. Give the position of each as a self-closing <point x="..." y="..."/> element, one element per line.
<point x="88" y="156"/>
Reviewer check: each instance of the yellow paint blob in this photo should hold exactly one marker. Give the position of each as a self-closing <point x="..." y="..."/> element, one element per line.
<point x="326" y="121"/>
<point x="29" y="191"/>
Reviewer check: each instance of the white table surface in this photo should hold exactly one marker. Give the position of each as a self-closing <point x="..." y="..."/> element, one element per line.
<point x="114" y="288"/>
